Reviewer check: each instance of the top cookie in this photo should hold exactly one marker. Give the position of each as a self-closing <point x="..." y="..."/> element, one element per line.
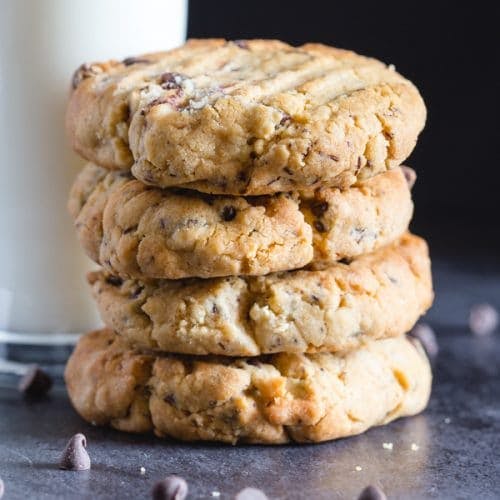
<point x="250" y="117"/>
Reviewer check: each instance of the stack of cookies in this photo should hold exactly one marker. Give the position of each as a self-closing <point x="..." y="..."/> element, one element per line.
<point x="246" y="204"/>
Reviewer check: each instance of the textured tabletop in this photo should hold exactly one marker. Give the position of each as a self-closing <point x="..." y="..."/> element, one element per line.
<point x="455" y="452"/>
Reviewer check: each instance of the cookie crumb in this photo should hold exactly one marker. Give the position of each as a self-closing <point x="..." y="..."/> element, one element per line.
<point x="447" y="420"/>
<point x="392" y="67"/>
<point x="387" y="446"/>
<point x="216" y="493"/>
<point x="414" y="447"/>
<point x="142" y="470"/>
<point x="358" y="468"/>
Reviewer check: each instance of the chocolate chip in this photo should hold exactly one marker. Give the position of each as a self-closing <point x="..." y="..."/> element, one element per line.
<point x="114" y="280"/>
<point x="242" y="176"/>
<point x="286" y="118"/>
<point x="83" y="72"/>
<point x="173" y="99"/>
<point x="253" y="362"/>
<point x="136" y="292"/>
<point x="242" y="44"/>
<point x="319" y="226"/>
<point x="410" y="176"/>
<point x="483" y="319"/>
<point x="426" y="336"/>
<point x="128" y="61"/>
<point x="170" y="488"/>
<point x="228" y="213"/>
<point x="170" y="399"/>
<point x="2" y="488"/>
<point x="372" y="493"/>
<point x="75" y="456"/>
<point x="35" y="383"/>
<point x="319" y="208"/>
<point x="170" y="80"/>
<point x="215" y="309"/>
<point x="358" y="166"/>
<point x="251" y="494"/>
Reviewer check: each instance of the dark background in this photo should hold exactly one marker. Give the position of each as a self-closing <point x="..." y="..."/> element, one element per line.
<point x="450" y="51"/>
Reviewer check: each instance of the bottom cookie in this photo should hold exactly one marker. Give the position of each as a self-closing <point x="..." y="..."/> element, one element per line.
<point x="267" y="399"/>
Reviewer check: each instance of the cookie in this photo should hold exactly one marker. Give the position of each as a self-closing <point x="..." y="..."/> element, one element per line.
<point x="270" y="399"/>
<point x="334" y="309"/>
<point x="136" y="231"/>
<point x="251" y="117"/>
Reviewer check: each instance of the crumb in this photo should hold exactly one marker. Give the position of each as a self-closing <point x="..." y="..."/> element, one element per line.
<point x="387" y="446"/>
<point x="358" y="468"/>
<point x="216" y="493"/>
<point x="447" y="420"/>
<point x="392" y="67"/>
<point x="414" y="447"/>
<point x="142" y="471"/>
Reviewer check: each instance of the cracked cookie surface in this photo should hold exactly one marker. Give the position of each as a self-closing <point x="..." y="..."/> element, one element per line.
<point x="333" y="309"/>
<point x="136" y="231"/>
<point x="271" y="399"/>
<point x="251" y="117"/>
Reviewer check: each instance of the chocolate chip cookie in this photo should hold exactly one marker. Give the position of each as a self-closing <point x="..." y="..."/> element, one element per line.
<point x="136" y="231"/>
<point x="333" y="309"/>
<point x="269" y="399"/>
<point x="250" y="117"/>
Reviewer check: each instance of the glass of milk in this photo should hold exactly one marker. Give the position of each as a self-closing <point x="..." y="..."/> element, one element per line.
<point x="44" y="298"/>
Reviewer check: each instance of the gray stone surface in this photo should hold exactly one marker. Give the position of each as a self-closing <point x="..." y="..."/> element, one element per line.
<point x="458" y="437"/>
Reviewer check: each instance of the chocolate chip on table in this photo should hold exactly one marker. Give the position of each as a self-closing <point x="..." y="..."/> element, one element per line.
<point x="410" y="176"/>
<point x="372" y="493"/>
<point x="2" y="488"/>
<point x="425" y="334"/>
<point x="251" y="494"/>
<point x="35" y="383"/>
<point x="483" y="319"/>
<point x="170" y="488"/>
<point x="228" y="213"/>
<point x="75" y="456"/>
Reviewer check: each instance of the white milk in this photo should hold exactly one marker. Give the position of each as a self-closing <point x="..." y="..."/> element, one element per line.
<point x="42" y="269"/>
